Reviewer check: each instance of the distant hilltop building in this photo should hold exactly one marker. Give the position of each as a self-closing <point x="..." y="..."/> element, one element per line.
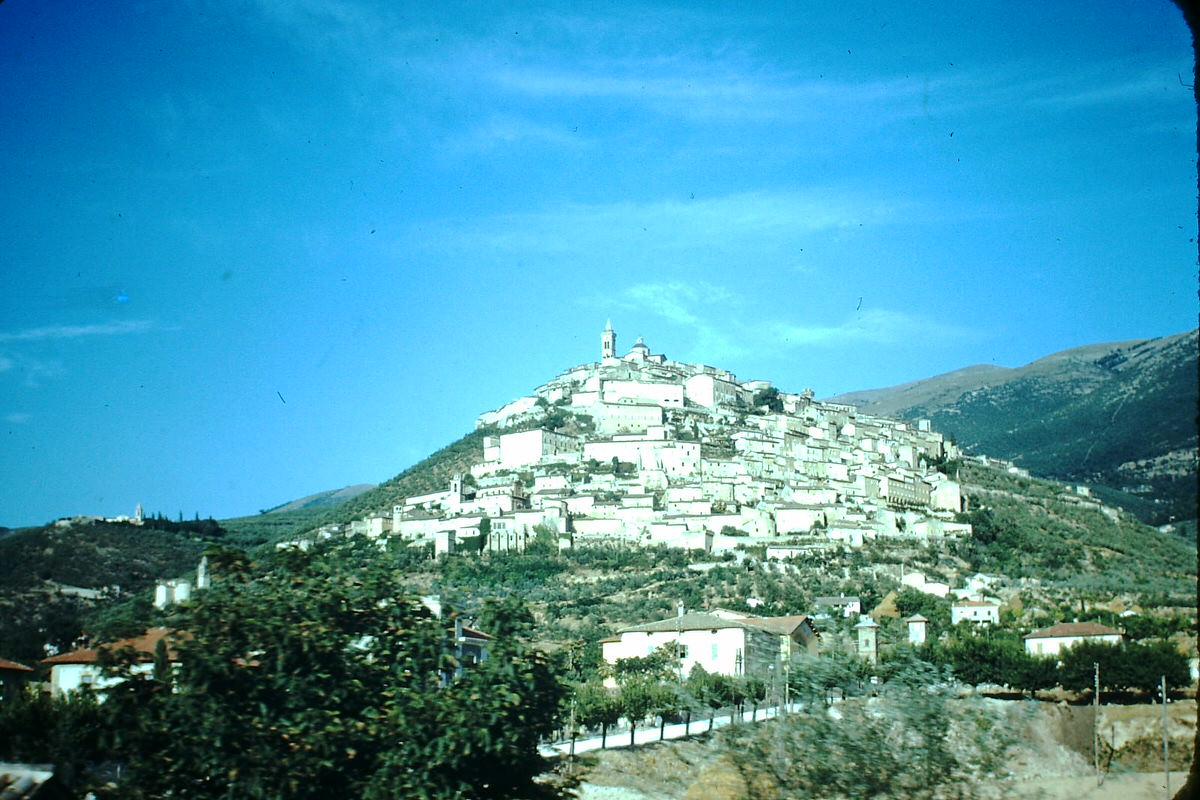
<point x="641" y="449"/>
<point x="138" y="518"/>
<point x="168" y="593"/>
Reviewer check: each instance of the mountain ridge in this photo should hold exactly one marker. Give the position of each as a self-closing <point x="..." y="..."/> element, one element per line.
<point x="1043" y="416"/>
<point x="326" y="498"/>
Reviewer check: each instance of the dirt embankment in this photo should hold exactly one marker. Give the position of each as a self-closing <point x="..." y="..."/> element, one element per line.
<point x="1054" y="759"/>
<point x="1131" y="736"/>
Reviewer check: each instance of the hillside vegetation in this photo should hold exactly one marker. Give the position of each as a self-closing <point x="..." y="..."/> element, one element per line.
<point x="430" y="474"/>
<point x="270" y="526"/>
<point x="1053" y="550"/>
<point x="328" y="498"/>
<point x="1040" y="529"/>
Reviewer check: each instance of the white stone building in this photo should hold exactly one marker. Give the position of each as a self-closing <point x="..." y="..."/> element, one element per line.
<point x="976" y="612"/>
<point x="724" y="644"/>
<point x="527" y="448"/>
<point x="1052" y="641"/>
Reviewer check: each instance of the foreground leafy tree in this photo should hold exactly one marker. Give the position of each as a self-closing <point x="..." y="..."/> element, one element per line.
<point x="316" y="680"/>
<point x="65" y="731"/>
<point x="914" y="740"/>
<point x="985" y="657"/>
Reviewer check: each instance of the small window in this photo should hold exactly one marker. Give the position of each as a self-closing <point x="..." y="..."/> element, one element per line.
<point x="681" y="650"/>
<point x="714" y="651"/>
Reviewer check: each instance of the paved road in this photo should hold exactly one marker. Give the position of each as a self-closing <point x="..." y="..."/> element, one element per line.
<point x="651" y="733"/>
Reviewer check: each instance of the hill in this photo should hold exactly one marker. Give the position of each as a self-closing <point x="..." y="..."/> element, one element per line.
<point x="53" y="578"/>
<point x="1119" y="415"/>
<point x="327" y="498"/>
<point x="427" y="475"/>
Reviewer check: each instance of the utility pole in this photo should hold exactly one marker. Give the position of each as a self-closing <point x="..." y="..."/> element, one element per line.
<point x="1096" y="719"/>
<point x="1166" y="752"/>
<point x="787" y="687"/>
<point x="571" y="670"/>
<point x="679" y="611"/>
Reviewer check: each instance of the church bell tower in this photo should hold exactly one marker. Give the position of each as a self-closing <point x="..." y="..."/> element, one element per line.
<point x="608" y="341"/>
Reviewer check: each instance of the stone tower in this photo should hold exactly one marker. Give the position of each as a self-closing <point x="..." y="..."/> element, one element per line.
<point x="608" y="341"/>
<point x="916" y="629"/>
<point x="868" y="640"/>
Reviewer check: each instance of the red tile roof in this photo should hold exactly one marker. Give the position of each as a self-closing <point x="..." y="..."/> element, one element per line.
<point x="694" y="620"/>
<point x="1073" y="629"/>
<point x="471" y="633"/>
<point x="784" y="626"/>
<point x="144" y="645"/>
<point x="12" y="665"/>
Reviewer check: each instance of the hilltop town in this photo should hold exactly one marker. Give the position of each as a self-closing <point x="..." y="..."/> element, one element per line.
<point x="640" y="449"/>
<point x="681" y="542"/>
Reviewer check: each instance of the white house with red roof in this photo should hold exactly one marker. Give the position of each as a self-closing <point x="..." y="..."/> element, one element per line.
<point x="78" y="668"/>
<point x="1054" y="640"/>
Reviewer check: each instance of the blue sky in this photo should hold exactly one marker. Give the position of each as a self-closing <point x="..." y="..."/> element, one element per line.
<point x="255" y="250"/>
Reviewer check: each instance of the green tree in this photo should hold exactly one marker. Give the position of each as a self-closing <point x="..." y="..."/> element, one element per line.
<point x="659" y="665"/>
<point x="545" y="541"/>
<point x="710" y="689"/>
<point x="768" y="398"/>
<point x="992" y="657"/>
<point x="67" y="731"/>
<point x="595" y="705"/>
<point x="812" y="678"/>
<point x="1138" y="666"/>
<point x="909" y="601"/>
<point x="314" y="679"/>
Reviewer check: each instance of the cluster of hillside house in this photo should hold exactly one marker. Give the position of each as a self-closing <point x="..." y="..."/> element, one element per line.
<point x="647" y="450"/>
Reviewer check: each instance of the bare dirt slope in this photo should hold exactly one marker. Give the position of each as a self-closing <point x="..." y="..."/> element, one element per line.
<point x="1054" y="761"/>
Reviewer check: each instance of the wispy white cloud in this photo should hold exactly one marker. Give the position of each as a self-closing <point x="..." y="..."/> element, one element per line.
<point x="874" y="326"/>
<point x="347" y="27"/>
<point x="723" y="326"/>
<point x="31" y="372"/>
<point x="670" y="226"/>
<point x="673" y="300"/>
<point x="505" y="130"/>
<point x="50" y="332"/>
<point x="1039" y="88"/>
<point x="702" y="308"/>
<point x="707" y="90"/>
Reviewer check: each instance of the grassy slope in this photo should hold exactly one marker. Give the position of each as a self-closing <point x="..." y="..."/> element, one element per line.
<point x="431" y="474"/>
<point x="273" y="526"/>
<point x="1040" y="533"/>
